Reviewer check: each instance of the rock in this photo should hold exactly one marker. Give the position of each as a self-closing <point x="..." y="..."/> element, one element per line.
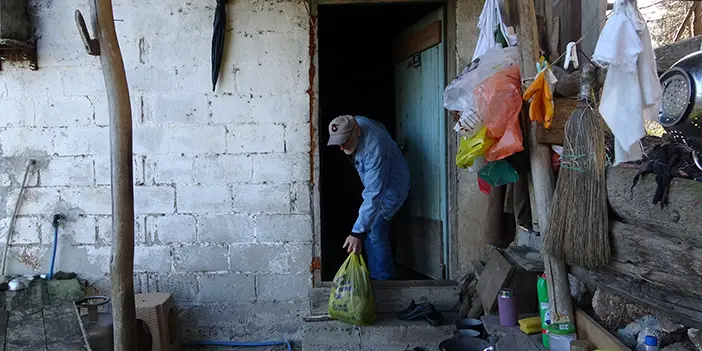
<point x="675" y="331"/>
<point x="578" y="291"/>
<point x="695" y="337"/>
<point x="614" y="312"/>
<point x="679" y="346"/>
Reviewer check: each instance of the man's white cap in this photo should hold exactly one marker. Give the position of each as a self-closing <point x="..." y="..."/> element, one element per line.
<point x="340" y="129"/>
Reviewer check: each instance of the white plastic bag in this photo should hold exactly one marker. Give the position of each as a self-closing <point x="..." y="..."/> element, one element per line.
<point x="458" y="96"/>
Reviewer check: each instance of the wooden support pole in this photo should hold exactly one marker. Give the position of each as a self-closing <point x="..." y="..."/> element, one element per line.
<point x="106" y="46"/>
<point x="561" y="305"/>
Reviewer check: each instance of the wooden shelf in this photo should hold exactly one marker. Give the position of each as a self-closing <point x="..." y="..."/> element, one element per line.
<point x="14" y="50"/>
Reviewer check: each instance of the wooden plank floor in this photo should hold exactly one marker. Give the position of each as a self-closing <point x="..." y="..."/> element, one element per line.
<point x="41" y="317"/>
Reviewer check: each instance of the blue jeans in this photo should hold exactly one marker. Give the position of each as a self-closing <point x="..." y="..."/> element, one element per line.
<point x="378" y="250"/>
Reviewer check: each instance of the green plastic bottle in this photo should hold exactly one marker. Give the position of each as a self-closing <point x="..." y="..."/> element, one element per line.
<point x="542" y="292"/>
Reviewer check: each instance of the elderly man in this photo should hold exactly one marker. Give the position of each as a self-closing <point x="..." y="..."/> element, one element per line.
<point x="386" y="181"/>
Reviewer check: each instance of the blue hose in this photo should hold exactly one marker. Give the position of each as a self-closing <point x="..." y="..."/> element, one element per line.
<point x="243" y="344"/>
<point x="53" y="254"/>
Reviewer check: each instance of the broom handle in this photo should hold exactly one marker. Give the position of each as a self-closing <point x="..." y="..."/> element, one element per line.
<point x="587" y="82"/>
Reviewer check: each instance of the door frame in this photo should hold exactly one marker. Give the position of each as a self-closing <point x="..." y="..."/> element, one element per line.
<point x="451" y="58"/>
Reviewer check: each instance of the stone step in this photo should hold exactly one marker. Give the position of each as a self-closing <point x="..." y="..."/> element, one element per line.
<point x="392" y="296"/>
<point x="386" y="334"/>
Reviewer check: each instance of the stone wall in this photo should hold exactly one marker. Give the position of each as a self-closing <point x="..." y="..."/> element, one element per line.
<point x="223" y="190"/>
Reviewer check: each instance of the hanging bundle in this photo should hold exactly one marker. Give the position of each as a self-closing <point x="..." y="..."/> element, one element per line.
<point x="578" y="231"/>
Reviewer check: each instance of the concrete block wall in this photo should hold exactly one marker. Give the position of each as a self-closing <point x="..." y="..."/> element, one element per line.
<point x="222" y="179"/>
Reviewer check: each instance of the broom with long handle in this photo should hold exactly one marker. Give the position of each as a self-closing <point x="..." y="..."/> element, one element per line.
<point x="578" y="231"/>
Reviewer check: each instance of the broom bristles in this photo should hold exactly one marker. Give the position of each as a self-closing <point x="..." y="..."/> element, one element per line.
<point x="578" y="229"/>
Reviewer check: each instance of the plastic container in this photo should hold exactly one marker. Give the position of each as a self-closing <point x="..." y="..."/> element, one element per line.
<point x="507" y="308"/>
<point x="542" y="292"/>
<point x="650" y="344"/>
<point x="560" y="336"/>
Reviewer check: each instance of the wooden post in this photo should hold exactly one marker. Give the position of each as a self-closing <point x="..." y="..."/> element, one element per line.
<point x="560" y="302"/>
<point x="106" y="46"/>
<point x="697" y="19"/>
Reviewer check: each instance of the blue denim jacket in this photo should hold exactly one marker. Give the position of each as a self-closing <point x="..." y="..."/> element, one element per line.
<point x="383" y="171"/>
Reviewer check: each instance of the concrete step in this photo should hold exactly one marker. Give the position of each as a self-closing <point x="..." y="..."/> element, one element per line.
<point x="386" y="334"/>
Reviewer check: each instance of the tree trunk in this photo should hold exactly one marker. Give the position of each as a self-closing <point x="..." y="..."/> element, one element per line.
<point x="679" y="220"/>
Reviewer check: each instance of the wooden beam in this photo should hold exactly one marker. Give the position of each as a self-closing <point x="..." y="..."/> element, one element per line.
<point x="560" y="302"/>
<point x="593" y="11"/>
<point x="418" y="41"/>
<point x="590" y="330"/>
<point x="682" y="308"/>
<point x="120" y="111"/>
<point x="667" y="55"/>
<point x="680" y="220"/>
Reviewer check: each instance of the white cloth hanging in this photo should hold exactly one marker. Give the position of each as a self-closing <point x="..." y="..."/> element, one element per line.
<point x="631" y="91"/>
<point x="489" y="18"/>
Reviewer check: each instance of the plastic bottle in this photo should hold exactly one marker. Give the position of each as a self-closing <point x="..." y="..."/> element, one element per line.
<point x="650" y="344"/>
<point x="542" y="292"/>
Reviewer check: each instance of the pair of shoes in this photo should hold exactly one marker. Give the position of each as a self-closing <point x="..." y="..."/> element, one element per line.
<point x="423" y="310"/>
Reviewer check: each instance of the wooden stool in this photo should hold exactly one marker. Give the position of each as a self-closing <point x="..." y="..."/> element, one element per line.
<point x="158" y="311"/>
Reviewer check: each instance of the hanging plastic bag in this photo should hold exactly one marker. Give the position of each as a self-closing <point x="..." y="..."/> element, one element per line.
<point x="458" y="96"/>
<point x="471" y="148"/>
<point x="498" y="100"/>
<point x="499" y="173"/>
<point x="351" y="299"/>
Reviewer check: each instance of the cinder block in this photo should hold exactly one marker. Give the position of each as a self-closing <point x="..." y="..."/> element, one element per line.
<point x="177" y="109"/>
<point x="271" y="258"/>
<point x="283" y="228"/>
<point x="283" y="288"/>
<point x="204" y="199"/>
<point x="230" y="109"/>
<point x="296" y="104"/>
<point x="184" y="287"/>
<point x="201" y="258"/>
<point x="103" y="171"/>
<point x="83" y="80"/>
<point x="67" y="171"/>
<point x="64" y="111"/>
<point x="78" y="141"/>
<point x="104" y="227"/>
<point x="223" y="169"/>
<point x="285" y="77"/>
<point x="152" y="259"/>
<point x="172" y="228"/>
<point x="19" y="140"/>
<point x="16" y="112"/>
<point x="90" y="200"/>
<point x="189" y="78"/>
<point x="299" y="139"/>
<point x="281" y="168"/>
<point x="300" y="197"/>
<point x="151" y="79"/>
<point x="79" y="229"/>
<point x="190" y="140"/>
<point x="169" y="169"/>
<point x="37" y="201"/>
<point x="227" y="288"/>
<point x="26" y="230"/>
<point x="272" y="198"/>
<point x="163" y="50"/>
<point x="248" y="138"/>
<point x="45" y="83"/>
<point x="279" y="17"/>
<point x="229" y="228"/>
<point x="154" y="199"/>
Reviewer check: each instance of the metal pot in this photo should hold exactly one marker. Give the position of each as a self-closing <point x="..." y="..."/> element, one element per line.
<point x="97" y="325"/>
<point x="681" y="110"/>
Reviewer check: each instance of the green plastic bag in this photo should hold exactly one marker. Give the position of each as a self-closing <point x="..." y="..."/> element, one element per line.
<point x="351" y="299"/>
<point x="498" y="173"/>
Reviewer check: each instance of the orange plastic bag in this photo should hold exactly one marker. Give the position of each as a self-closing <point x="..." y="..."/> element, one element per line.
<point x="498" y="100"/>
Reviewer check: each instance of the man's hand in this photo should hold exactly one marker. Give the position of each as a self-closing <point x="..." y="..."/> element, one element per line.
<point x="353" y="244"/>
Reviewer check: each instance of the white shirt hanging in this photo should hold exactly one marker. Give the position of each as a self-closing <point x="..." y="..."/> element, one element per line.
<point x="489" y="18"/>
<point x="631" y="92"/>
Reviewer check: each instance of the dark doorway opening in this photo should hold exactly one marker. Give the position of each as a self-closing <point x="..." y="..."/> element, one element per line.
<point x="356" y="77"/>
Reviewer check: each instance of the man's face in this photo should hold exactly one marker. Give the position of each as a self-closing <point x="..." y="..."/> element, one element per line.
<point x="351" y="143"/>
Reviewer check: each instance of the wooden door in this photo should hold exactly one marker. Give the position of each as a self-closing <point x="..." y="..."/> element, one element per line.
<point x="421" y="130"/>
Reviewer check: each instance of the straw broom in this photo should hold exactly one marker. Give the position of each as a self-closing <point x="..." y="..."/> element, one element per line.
<point x="578" y="230"/>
